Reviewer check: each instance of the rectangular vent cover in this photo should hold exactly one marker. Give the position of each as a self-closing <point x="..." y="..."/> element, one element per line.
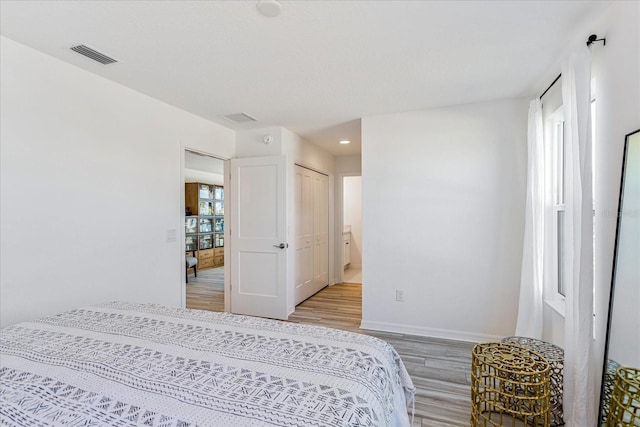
<point x="240" y="118"/>
<point x="93" y="54"/>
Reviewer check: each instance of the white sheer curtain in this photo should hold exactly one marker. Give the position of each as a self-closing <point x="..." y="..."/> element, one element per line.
<point x="579" y="374"/>
<point x="531" y="276"/>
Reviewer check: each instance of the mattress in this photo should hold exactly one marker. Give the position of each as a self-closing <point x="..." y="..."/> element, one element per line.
<point x="123" y="364"/>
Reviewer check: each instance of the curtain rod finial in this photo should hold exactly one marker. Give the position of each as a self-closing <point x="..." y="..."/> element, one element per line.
<point x="594" y="38"/>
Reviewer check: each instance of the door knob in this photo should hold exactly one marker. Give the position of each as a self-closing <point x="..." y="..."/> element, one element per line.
<point x="281" y="246"/>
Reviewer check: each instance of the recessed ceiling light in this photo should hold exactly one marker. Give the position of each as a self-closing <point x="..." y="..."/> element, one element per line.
<point x="269" y="8"/>
<point x="345" y="141"/>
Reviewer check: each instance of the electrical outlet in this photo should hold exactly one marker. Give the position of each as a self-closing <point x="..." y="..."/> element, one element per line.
<point x="172" y="235"/>
<point x="399" y="295"/>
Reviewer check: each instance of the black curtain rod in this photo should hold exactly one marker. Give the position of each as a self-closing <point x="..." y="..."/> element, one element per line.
<point x="551" y="85"/>
<point x="592" y="39"/>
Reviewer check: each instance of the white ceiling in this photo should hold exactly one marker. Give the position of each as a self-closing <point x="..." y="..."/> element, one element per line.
<point x="321" y="65"/>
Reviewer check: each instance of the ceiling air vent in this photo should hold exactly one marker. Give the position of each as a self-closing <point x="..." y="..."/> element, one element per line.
<point x="240" y="118"/>
<point x="93" y="54"/>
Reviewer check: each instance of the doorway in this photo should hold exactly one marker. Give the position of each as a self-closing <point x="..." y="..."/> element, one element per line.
<point x="204" y="231"/>
<point x="352" y="229"/>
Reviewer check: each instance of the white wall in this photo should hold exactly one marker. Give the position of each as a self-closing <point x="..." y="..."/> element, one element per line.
<point x="90" y="185"/>
<point x="250" y="143"/>
<point x="352" y="216"/>
<point x="349" y="165"/>
<point x="616" y="67"/>
<point x="307" y="154"/>
<point x="451" y="182"/>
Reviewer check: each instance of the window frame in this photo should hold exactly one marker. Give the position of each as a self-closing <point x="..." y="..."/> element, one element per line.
<point x="558" y="159"/>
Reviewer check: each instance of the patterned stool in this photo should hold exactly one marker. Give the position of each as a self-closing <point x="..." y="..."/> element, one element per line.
<point x="555" y="357"/>
<point x="509" y="386"/>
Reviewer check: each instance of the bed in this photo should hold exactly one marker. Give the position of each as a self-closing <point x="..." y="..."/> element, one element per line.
<point x="124" y="364"/>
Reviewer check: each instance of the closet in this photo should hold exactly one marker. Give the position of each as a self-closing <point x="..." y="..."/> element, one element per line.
<point x="312" y="232"/>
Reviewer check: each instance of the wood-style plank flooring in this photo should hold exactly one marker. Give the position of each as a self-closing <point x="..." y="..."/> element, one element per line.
<point x="440" y="369"/>
<point x="203" y="293"/>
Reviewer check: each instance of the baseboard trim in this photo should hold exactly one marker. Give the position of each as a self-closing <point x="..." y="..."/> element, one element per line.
<point x="422" y="331"/>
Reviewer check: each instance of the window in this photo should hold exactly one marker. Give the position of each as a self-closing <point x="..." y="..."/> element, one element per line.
<point x="558" y="158"/>
<point x="559" y="163"/>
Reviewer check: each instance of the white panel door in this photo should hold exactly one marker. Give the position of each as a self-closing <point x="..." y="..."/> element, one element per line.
<point x="321" y="231"/>
<point x="304" y="233"/>
<point x="258" y="237"/>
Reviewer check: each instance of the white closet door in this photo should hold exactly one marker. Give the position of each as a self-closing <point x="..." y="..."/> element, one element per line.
<point x="304" y="233"/>
<point x="320" y="231"/>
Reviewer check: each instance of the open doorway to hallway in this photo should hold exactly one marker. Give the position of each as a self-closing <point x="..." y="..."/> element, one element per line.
<point x="204" y="231"/>
<point x="352" y="231"/>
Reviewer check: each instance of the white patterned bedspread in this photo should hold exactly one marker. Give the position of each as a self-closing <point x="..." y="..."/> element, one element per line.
<point x="124" y="364"/>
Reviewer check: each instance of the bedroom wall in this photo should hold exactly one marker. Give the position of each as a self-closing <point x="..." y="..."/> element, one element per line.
<point x="616" y="69"/>
<point x="249" y="143"/>
<point x="90" y="187"/>
<point x="451" y="182"/>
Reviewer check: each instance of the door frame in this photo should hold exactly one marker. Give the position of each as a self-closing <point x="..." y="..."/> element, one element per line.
<point x="340" y="225"/>
<point x="181" y="231"/>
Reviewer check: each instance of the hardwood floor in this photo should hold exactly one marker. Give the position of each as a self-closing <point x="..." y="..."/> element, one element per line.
<point x="204" y="292"/>
<point x="440" y="369"/>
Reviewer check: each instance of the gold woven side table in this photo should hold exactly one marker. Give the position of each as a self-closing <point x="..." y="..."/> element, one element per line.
<point x="555" y="356"/>
<point x="509" y="386"/>
<point x="624" y="407"/>
<point x="607" y="388"/>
